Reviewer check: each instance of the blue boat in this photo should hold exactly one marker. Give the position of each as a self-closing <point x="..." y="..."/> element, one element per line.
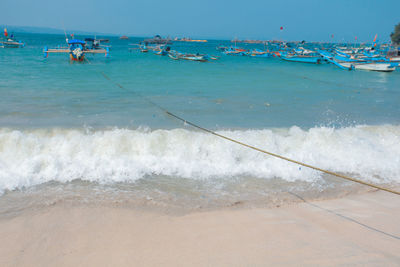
<point x="314" y="59"/>
<point x="76" y="50"/>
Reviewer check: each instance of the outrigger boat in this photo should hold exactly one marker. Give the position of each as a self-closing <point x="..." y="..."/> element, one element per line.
<point x="353" y="62"/>
<point x="301" y="55"/>
<point x="300" y="58"/>
<point x="258" y="53"/>
<point x="235" y="51"/>
<point x="161" y="50"/>
<point x="372" y="66"/>
<point x="76" y="50"/>
<point x="9" y="42"/>
<point x="192" y="57"/>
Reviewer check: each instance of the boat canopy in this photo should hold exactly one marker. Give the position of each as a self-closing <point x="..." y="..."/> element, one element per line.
<point x="76" y="41"/>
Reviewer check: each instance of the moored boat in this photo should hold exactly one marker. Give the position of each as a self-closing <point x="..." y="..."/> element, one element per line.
<point x="76" y="50"/>
<point x="301" y="58"/>
<point x="371" y="66"/>
<point x="258" y="53"/>
<point x="10" y="42"/>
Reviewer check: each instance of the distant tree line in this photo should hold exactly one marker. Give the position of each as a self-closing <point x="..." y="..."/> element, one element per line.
<point x="396" y="35"/>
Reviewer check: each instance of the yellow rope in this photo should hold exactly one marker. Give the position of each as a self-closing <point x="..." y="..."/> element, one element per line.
<point x="258" y="149"/>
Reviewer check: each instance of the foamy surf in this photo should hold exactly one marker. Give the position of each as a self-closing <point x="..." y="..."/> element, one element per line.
<point x="34" y="157"/>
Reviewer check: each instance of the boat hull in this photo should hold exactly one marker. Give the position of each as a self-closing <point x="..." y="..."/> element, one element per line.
<point x="12" y="45"/>
<point x="312" y="60"/>
<point x="78" y="59"/>
<point x="382" y="67"/>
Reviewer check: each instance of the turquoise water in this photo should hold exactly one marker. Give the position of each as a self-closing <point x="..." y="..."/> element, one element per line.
<point x="233" y="92"/>
<point x="63" y="122"/>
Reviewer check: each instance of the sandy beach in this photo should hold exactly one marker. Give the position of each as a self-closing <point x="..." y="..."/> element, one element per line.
<point x="357" y="230"/>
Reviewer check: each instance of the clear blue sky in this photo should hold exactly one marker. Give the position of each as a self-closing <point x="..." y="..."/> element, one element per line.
<point x="311" y="20"/>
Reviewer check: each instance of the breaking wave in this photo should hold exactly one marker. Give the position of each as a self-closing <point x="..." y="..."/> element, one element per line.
<point x="32" y="157"/>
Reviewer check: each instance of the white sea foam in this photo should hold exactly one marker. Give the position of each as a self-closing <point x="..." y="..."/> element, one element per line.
<point x="31" y="157"/>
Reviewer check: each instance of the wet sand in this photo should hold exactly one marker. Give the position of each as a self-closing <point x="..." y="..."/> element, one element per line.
<point x="357" y="230"/>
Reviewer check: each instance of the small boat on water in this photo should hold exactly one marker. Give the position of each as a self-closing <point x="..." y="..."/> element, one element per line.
<point x="235" y="51"/>
<point x="301" y="55"/>
<point x="192" y="57"/>
<point x="76" y="50"/>
<point x="143" y="48"/>
<point x="190" y="40"/>
<point x="162" y="50"/>
<point x="359" y="63"/>
<point x="371" y="66"/>
<point x="301" y="58"/>
<point x="258" y="53"/>
<point x="10" y="42"/>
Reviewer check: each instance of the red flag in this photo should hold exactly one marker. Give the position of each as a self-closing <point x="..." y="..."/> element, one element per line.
<point x="5" y="32"/>
<point x="332" y="35"/>
<point x="281" y="28"/>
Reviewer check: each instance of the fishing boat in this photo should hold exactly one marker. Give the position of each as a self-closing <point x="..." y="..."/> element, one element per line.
<point x="299" y="54"/>
<point x="195" y="57"/>
<point x="235" y="51"/>
<point x="144" y="47"/>
<point x="76" y="49"/>
<point x="192" y="57"/>
<point x="162" y="50"/>
<point x="10" y="42"/>
<point x="360" y="63"/>
<point x="258" y="53"/>
<point x="184" y="39"/>
<point x="371" y="66"/>
<point x="315" y="59"/>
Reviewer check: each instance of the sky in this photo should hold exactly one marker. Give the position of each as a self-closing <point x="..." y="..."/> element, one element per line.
<point x="310" y="20"/>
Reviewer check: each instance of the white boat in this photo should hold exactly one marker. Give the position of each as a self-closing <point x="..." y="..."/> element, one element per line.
<point x="11" y="43"/>
<point x="385" y="67"/>
<point x="395" y="59"/>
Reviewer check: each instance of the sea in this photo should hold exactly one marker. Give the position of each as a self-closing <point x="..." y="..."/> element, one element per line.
<point x="68" y="135"/>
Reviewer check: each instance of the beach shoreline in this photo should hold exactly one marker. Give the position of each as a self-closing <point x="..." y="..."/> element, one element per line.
<point x="357" y="229"/>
